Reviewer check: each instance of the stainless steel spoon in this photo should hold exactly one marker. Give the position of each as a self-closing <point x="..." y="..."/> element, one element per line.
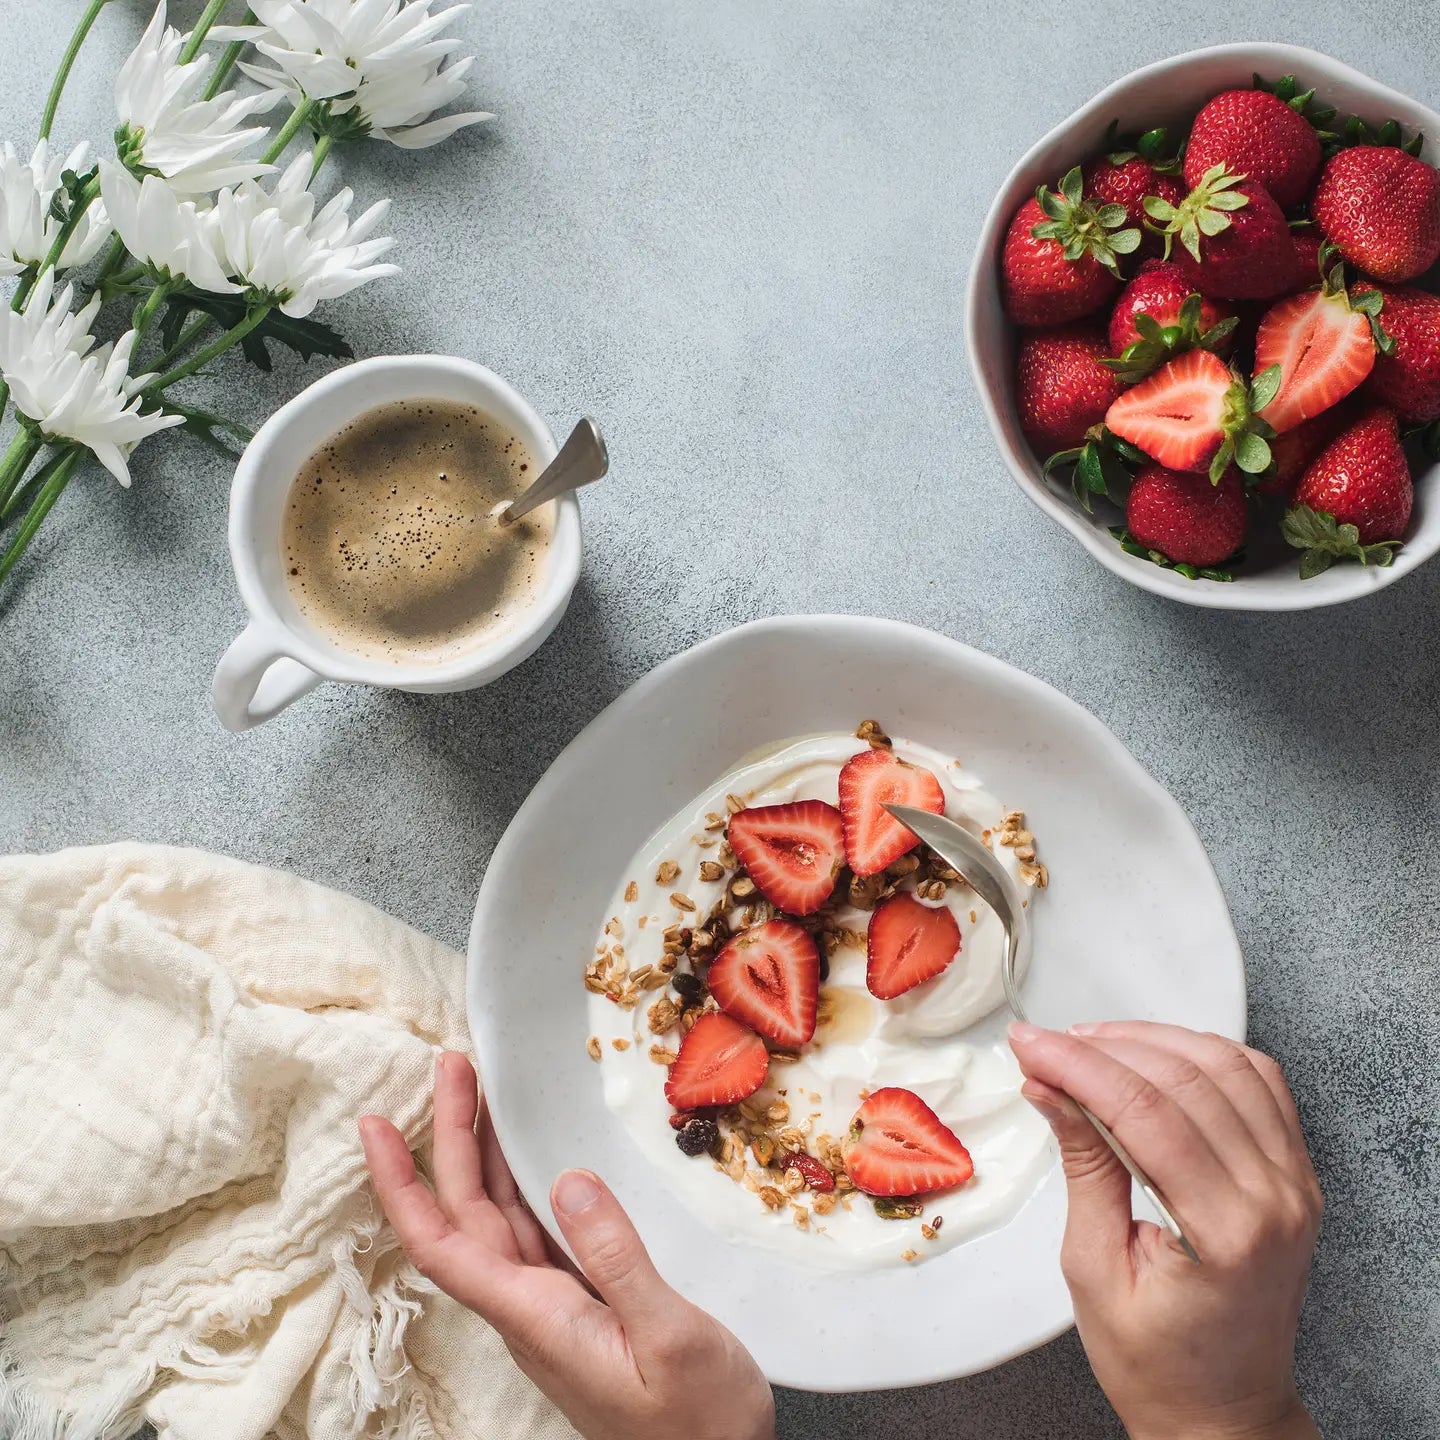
<point x="581" y="461"/>
<point x="983" y="873"/>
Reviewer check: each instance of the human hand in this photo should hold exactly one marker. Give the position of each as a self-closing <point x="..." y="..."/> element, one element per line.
<point x="636" y="1363"/>
<point x="1183" y="1351"/>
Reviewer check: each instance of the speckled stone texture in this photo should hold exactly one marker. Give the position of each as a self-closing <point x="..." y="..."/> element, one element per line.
<point x="737" y="234"/>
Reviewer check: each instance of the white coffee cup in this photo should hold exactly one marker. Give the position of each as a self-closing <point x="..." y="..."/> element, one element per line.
<point x="280" y="656"/>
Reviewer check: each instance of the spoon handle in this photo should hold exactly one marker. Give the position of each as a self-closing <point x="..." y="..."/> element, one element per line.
<point x="581" y="461"/>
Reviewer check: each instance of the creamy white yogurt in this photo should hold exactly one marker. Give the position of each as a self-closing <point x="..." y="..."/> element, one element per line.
<point x="943" y="1040"/>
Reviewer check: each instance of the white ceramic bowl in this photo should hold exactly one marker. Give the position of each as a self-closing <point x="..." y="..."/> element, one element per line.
<point x="1133" y="925"/>
<point x="1169" y="93"/>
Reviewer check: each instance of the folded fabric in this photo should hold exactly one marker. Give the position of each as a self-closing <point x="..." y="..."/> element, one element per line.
<point x="187" y="1235"/>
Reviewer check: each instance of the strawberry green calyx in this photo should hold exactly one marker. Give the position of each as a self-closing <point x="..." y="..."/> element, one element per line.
<point x="1131" y="546"/>
<point x="1287" y="88"/>
<point x="1357" y="132"/>
<point x="1152" y="147"/>
<point x="1102" y="467"/>
<point x="1369" y="304"/>
<point x="1323" y="542"/>
<point x="1204" y="211"/>
<point x="1247" y="436"/>
<point x="1082" y="229"/>
<point x="1161" y="343"/>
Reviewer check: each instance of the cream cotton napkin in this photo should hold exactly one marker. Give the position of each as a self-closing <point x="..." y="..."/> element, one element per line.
<point x="187" y="1235"/>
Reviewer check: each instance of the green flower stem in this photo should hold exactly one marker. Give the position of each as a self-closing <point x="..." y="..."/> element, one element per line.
<point x="22" y="494"/>
<point x="298" y="117"/>
<point x="208" y="17"/>
<point x="83" y="202"/>
<point x="67" y="63"/>
<point x="228" y="56"/>
<point x="187" y="338"/>
<point x="219" y="346"/>
<point x="322" y="149"/>
<point x="114" y="259"/>
<point x="16" y="461"/>
<point x="146" y="314"/>
<point x="63" y="467"/>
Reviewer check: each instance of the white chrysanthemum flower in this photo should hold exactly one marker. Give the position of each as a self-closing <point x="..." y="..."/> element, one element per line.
<point x="67" y="388"/>
<point x="275" y="244"/>
<point x="378" y="66"/>
<point x="165" y="126"/>
<point x="27" y="228"/>
<point x="174" y="236"/>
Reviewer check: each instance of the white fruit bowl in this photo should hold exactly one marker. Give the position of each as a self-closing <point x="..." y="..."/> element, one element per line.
<point x="1133" y="925"/>
<point x="1169" y="93"/>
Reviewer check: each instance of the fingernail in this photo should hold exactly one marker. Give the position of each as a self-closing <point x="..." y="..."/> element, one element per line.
<point x="367" y="1125"/>
<point x="447" y="1060"/>
<point x="575" y="1192"/>
<point x="1023" y="1032"/>
<point x="1087" y="1028"/>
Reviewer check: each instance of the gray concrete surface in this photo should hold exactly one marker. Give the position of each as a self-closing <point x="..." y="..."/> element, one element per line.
<point x="737" y="234"/>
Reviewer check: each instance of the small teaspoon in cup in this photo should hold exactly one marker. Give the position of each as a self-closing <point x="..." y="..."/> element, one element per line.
<point x="581" y="461"/>
<point x="980" y="870"/>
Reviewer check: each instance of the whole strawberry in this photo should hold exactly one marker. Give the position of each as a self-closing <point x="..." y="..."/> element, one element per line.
<point x="1408" y="381"/>
<point x="1186" y="518"/>
<point x="1295" y="450"/>
<point x="1061" y="256"/>
<point x="1354" y="501"/>
<point x="1382" y="208"/>
<point x="1061" y="388"/>
<point x="1234" y="239"/>
<point x="1126" y="179"/>
<point x="1158" y="290"/>
<point x="1255" y="134"/>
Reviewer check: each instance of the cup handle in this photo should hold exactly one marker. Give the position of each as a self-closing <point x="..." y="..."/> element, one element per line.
<point x="255" y="679"/>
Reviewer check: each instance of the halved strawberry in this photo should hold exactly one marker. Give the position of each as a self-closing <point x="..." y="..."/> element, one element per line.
<point x="720" y="1062"/>
<point x="793" y="853"/>
<point x="870" y="781"/>
<point x="899" y="1146"/>
<point x="1196" y="414"/>
<point x="907" y="944"/>
<point x="1324" y="346"/>
<point x="769" y="977"/>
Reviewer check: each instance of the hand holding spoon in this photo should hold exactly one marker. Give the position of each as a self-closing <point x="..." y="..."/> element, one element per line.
<point x="582" y="459"/>
<point x="980" y="870"/>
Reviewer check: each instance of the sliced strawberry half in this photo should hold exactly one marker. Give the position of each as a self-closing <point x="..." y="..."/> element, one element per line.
<point x="769" y="977"/>
<point x="907" y="944"/>
<point x="899" y="1146"/>
<point x="871" y="780"/>
<point x="1324" y="349"/>
<point x="793" y="853"/>
<point x="720" y="1062"/>
<point x="1176" y="416"/>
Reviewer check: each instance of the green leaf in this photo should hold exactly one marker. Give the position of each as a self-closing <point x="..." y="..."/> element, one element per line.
<point x="1315" y="562"/>
<point x="1152" y="143"/>
<point x="173" y="321"/>
<point x="1115" y="477"/>
<point x="1229" y="200"/>
<point x="1061" y="457"/>
<point x="1414" y="145"/>
<point x="1089" y="477"/>
<point x="1252" y="454"/>
<point x="1123" y="242"/>
<point x="1158" y="209"/>
<point x="1111" y="216"/>
<point x="1219" y="332"/>
<point x="1149" y="327"/>
<point x="1221" y="463"/>
<point x="1051" y="204"/>
<point x="1265" y="387"/>
<point x="1133" y="453"/>
<point x="1370" y="303"/>
<point x="1050" y="230"/>
<point x="1190" y="310"/>
<point x="1190" y="239"/>
<point x="1072" y="187"/>
<point x="1212" y="222"/>
<point x="211" y="429"/>
<point x="1389" y="133"/>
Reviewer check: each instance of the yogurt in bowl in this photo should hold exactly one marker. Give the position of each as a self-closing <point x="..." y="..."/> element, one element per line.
<point x="1132" y="925"/>
<point x="658" y="925"/>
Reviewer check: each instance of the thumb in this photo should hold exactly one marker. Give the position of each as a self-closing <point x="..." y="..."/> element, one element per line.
<point x="1097" y="1185"/>
<point x="609" y="1250"/>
